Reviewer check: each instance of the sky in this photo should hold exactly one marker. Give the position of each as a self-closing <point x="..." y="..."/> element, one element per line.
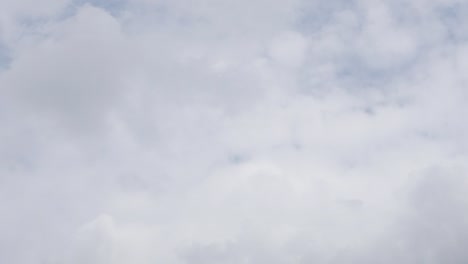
<point x="222" y="131"/>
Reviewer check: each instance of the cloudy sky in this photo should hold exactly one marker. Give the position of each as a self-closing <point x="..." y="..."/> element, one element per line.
<point x="233" y="131"/>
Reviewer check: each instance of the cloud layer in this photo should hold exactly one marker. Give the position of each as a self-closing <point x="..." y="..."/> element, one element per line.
<point x="202" y="131"/>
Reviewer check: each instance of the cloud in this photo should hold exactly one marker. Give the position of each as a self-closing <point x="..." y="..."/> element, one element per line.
<point x="202" y="131"/>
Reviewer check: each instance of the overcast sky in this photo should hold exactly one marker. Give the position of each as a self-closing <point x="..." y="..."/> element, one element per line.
<point x="233" y="131"/>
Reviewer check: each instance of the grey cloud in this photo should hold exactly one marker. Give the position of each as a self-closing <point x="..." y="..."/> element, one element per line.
<point x="4" y="57"/>
<point x="73" y="87"/>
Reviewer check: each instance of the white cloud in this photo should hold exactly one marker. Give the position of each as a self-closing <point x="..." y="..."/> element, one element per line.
<point x="233" y="132"/>
<point x="288" y="49"/>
